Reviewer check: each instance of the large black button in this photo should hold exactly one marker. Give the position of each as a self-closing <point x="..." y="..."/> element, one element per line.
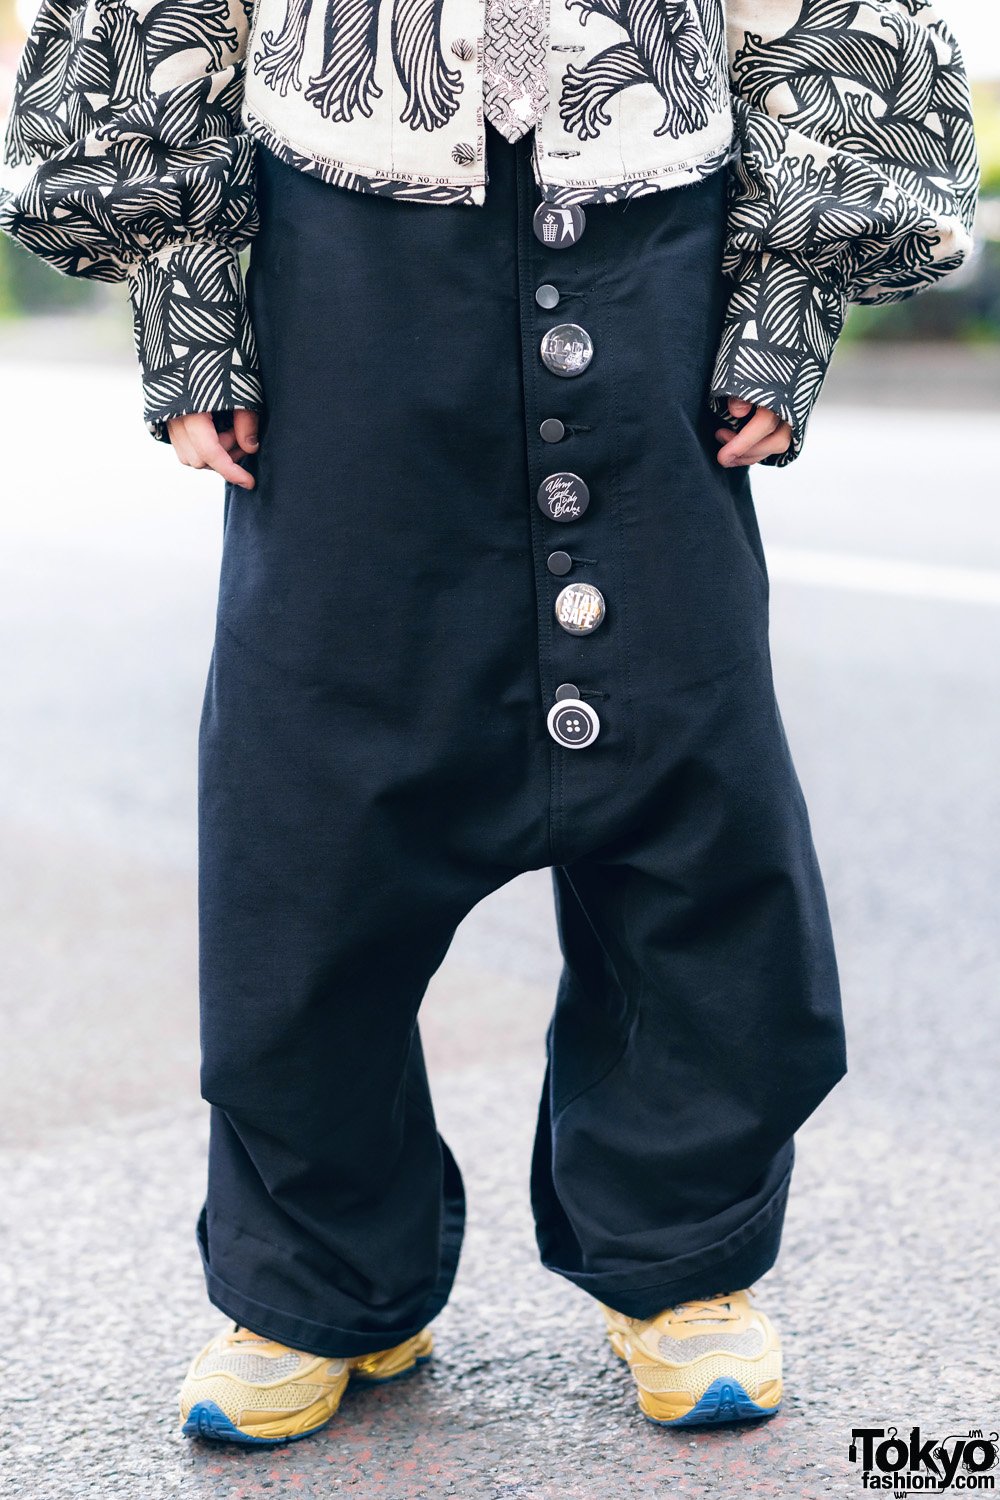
<point x="580" y="608"/>
<point x="558" y="228"/>
<point x="563" y="497"/>
<point x="559" y="563"/>
<point x="552" y="430"/>
<point x="573" y="723"/>
<point x="547" y="296"/>
<point x="566" y="349"/>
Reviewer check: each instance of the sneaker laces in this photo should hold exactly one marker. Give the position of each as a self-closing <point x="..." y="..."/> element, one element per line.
<point x="242" y="1335"/>
<point x="706" y="1309"/>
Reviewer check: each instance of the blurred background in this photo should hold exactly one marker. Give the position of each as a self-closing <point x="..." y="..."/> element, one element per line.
<point x="883" y="548"/>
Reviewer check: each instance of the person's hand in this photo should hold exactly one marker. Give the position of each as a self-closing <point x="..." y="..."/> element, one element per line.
<point x="197" y="444"/>
<point x="764" y="434"/>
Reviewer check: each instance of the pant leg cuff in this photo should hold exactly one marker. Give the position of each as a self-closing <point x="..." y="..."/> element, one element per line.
<point x="325" y="1339"/>
<point x="739" y="1260"/>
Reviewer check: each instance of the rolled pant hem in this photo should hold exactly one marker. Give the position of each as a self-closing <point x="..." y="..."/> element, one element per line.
<point x="709" y="1272"/>
<point x="324" y="1339"/>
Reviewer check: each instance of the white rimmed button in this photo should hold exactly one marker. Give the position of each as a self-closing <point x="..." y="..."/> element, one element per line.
<point x="573" y="723"/>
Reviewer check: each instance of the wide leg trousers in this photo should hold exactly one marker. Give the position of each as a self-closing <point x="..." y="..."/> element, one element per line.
<point x="375" y="760"/>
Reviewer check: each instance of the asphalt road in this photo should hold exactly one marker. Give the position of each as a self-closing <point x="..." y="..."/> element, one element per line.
<point x="884" y="551"/>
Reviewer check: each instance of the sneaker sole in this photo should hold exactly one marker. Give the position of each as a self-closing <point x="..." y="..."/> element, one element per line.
<point x="724" y="1401"/>
<point x="208" y="1421"/>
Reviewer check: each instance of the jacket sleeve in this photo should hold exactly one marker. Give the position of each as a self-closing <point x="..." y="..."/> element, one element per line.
<point x="126" y="161"/>
<point x="854" y="180"/>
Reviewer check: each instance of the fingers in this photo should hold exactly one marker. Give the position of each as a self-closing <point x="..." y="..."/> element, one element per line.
<point x="245" y="427"/>
<point x="737" y="445"/>
<point x="764" y="434"/>
<point x="778" y="442"/>
<point x="241" y="438"/>
<point x="179" y="441"/>
<point x="199" y="446"/>
<point x="205" y="442"/>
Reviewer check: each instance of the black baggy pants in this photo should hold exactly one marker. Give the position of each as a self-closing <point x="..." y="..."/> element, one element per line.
<point x="375" y="760"/>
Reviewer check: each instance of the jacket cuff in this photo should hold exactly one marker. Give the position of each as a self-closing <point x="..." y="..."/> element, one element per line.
<point x="781" y="326"/>
<point x="193" y="335"/>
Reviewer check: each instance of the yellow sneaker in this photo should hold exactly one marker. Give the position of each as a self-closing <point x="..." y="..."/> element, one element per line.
<point x="243" y="1388"/>
<point x="713" y="1359"/>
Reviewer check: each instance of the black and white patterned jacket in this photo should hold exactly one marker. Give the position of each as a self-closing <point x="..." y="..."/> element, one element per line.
<point x="845" y="126"/>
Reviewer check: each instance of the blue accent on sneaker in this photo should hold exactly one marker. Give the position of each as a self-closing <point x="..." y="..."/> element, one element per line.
<point x="206" y="1420"/>
<point x="209" y="1421"/>
<point x="724" y="1401"/>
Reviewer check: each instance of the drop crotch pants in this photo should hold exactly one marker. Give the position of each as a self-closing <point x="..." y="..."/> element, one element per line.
<point x="374" y="761"/>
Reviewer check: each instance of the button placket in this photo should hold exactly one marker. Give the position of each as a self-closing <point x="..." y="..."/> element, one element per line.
<point x="566" y="350"/>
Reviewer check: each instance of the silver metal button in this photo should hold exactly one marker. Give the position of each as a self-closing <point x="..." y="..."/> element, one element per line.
<point x="558" y="228"/>
<point x="567" y="690"/>
<point x="567" y="349"/>
<point x="559" y="563"/>
<point x="563" y="497"/>
<point x="547" y="296"/>
<point x="580" y="608"/>
<point x="573" y="723"/>
<point x="552" y="430"/>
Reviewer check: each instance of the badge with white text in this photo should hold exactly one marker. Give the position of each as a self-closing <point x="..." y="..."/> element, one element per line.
<point x="563" y="497"/>
<point x="567" y="350"/>
<point x="580" y="608"/>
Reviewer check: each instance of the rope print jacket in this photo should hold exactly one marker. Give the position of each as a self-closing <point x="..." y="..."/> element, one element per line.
<point x="845" y="127"/>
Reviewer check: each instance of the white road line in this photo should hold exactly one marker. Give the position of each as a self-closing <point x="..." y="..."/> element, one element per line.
<point x="884" y="575"/>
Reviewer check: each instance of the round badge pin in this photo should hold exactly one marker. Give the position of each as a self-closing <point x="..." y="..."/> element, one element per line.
<point x="558" y="228"/>
<point x="563" y="496"/>
<point x="566" y="350"/>
<point x="580" y="608"/>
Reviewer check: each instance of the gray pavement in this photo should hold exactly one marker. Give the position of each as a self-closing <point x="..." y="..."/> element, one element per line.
<point x="887" y="1286"/>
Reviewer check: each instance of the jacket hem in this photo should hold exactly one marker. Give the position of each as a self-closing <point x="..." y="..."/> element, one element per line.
<point x="612" y="189"/>
<point x="403" y="185"/>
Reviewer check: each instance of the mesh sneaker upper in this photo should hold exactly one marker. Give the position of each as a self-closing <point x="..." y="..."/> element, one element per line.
<point x="241" y="1373"/>
<point x="694" y="1380"/>
<point x="259" y="1369"/>
<point x="234" y="1400"/>
<point x="747" y="1344"/>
